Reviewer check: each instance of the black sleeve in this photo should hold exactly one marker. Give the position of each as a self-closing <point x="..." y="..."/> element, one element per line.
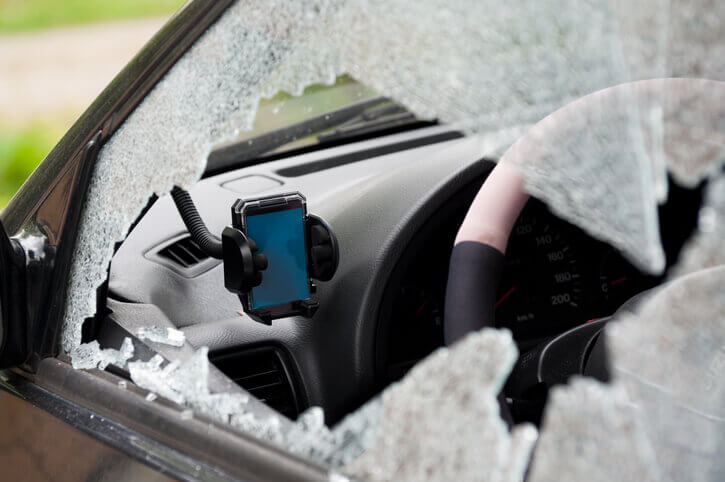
<point x="473" y="278"/>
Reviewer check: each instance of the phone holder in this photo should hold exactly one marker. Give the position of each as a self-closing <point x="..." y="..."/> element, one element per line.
<point x="243" y="266"/>
<point x="323" y="250"/>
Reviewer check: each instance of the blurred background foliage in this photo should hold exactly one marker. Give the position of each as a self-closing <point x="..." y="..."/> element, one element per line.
<point x="24" y="142"/>
<point x="26" y="15"/>
<point x="21" y="148"/>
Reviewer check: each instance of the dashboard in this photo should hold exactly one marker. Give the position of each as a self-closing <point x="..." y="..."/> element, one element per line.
<point x="395" y="204"/>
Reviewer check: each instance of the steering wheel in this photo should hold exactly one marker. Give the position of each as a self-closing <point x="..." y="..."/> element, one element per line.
<point x="475" y="271"/>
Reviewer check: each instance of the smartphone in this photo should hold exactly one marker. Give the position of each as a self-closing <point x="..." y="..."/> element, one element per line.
<point x="277" y="226"/>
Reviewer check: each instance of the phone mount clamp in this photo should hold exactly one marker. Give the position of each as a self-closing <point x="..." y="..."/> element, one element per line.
<point x="243" y="266"/>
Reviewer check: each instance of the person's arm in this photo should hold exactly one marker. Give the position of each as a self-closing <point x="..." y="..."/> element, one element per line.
<point x="495" y="209"/>
<point x="478" y="253"/>
<point x="478" y="256"/>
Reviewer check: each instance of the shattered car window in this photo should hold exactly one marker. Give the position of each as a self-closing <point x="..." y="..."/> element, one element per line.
<point x="601" y="144"/>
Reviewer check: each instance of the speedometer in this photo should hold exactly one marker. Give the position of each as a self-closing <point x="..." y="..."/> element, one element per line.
<point x="541" y="288"/>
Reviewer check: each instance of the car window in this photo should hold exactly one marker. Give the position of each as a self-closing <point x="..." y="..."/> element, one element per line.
<point x="594" y="142"/>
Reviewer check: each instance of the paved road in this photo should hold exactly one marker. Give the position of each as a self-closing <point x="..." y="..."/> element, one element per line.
<point x="57" y="73"/>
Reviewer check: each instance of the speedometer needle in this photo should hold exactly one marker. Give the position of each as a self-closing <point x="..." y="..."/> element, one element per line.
<point x="505" y="295"/>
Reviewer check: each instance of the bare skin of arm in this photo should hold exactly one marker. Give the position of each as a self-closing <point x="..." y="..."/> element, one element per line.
<point x="495" y="209"/>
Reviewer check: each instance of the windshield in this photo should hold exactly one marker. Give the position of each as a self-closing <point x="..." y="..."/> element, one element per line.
<point x="285" y="109"/>
<point x="320" y="116"/>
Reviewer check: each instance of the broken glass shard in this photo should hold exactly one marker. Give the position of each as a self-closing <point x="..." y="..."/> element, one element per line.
<point x="162" y="334"/>
<point x="442" y="421"/>
<point x="90" y="355"/>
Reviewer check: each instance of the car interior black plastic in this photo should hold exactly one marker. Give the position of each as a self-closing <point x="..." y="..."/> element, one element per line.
<point x="555" y="361"/>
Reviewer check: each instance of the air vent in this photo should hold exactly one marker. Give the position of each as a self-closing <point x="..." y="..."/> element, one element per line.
<point x="183" y="255"/>
<point x="184" y="252"/>
<point x="262" y="372"/>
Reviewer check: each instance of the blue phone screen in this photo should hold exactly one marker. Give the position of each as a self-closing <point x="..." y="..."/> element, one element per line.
<point x="280" y="236"/>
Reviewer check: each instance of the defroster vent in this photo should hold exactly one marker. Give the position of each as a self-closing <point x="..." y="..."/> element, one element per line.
<point x="264" y="373"/>
<point x="183" y="255"/>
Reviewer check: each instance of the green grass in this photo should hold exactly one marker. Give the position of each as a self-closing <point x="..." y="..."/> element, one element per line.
<point x="23" y="15"/>
<point x="21" y="149"/>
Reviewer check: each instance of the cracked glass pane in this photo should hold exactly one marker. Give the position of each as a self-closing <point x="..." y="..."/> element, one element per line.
<point x="704" y="249"/>
<point x="680" y="396"/>
<point x="589" y="426"/>
<point x="486" y="73"/>
<point x="442" y="421"/>
<point x="661" y="416"/>
<point x="660" y="420"/>
<point x="599" y="155"/>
